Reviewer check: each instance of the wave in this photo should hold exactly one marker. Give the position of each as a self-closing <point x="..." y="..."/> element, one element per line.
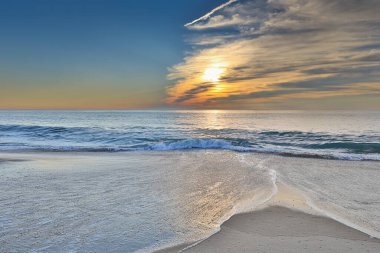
<point x="222" y="144"/>
<point x="143" y="138"/>
<point x="197" y="144"/>
<point x="357" y="147"/>
<point x="194" y="144"/>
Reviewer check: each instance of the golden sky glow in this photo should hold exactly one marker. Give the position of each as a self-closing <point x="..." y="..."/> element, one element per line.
<point x="266" y="53"/>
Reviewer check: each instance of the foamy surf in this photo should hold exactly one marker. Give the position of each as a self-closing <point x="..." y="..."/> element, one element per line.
<point x="324" y="135"/>
<point x="282" y="194"/>
<point x="181" y="198"/>
<point x="197" y="144"/>
<point x="292" y="198"/>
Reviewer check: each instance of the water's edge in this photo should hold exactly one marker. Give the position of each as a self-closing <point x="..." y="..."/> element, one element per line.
<point x="280" y="190"/>
<point x="268" y="203"/>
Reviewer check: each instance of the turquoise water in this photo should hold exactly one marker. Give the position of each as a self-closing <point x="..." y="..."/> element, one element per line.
<point x="336" y="134"/>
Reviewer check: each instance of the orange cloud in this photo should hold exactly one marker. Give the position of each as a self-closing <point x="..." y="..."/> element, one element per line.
<point x="270" y="50"/>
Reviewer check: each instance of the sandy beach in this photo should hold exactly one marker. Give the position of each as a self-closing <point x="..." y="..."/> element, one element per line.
<point x="278" y="229"/>
<point x="140" y="202"/>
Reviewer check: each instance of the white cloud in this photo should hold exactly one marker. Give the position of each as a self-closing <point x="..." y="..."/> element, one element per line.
<point x="209" y="14"/>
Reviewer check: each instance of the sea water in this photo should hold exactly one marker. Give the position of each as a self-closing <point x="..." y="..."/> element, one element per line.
<point x="138" y="181"/>
<point x="336" y="134"/>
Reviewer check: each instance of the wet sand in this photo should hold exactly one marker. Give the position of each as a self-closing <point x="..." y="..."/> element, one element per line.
<point x="279" y="229"/>
<point x="69" y="183"/>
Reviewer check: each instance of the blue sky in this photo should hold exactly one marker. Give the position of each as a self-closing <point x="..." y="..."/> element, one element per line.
<point x="127" y="45"/>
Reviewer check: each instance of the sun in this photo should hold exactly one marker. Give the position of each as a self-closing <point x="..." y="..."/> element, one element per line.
<point x="212" y="74"/>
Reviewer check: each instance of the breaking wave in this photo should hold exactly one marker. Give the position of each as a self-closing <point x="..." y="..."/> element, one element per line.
<point x="96" y="139"/>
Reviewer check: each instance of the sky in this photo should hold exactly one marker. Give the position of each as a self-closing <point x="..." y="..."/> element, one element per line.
<point x="215" y="54"/>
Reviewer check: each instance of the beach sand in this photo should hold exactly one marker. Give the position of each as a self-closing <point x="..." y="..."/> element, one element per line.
<point x="51" y="199"/>
<point x="279" y="229"/>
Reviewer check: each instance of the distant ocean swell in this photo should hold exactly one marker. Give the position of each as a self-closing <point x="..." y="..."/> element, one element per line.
<point x="141" y="138"/>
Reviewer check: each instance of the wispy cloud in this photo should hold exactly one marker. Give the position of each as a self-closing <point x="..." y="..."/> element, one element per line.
<point x="276" y="49"/>
<point x="209" y="14"/>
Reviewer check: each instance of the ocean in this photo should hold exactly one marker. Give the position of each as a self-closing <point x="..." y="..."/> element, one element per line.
<point x="140" y="181"/>
<point x="335" y="135"/>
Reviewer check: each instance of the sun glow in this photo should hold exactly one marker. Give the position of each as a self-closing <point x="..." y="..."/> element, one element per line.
<point x="212" y="74"/>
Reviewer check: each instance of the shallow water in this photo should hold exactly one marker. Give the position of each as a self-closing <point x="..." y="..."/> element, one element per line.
<point x="142" y="201"/>
<point x="143" y="180"/>
<point x="125" y="202"/>
<point x="336" y="134"/>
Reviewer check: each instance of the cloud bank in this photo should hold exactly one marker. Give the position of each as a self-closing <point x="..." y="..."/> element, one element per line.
<point x="271" y="51"/>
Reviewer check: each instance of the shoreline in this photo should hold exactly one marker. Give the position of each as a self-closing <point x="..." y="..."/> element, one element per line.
<point x="285" y="189"/>
<point x="279" y="229"/>
<point x="286" y="202"/>
<point x="349" y="157"/>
